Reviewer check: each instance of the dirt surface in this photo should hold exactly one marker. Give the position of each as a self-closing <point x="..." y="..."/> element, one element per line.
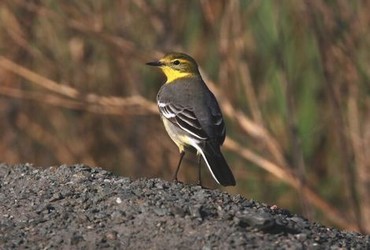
<point x="78" y="207"/>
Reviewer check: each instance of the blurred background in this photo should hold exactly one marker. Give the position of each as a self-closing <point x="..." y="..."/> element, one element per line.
<point x="292" y="79"/>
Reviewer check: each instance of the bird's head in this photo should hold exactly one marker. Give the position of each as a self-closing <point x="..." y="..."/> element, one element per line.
<point x="177" y="65"/>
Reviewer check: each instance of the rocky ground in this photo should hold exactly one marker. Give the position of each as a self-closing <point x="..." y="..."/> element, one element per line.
<point x="77" y="207"/>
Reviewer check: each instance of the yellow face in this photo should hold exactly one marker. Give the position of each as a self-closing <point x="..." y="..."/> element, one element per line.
<point x="177" y="65"/>
<point x="173" y="71"/>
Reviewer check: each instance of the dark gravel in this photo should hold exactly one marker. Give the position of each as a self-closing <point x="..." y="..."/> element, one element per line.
<point x="78" y="207"/>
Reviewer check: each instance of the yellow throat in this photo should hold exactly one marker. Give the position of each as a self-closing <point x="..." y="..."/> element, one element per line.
<point x="177" y="65"/>
<point x="173" y="74"/>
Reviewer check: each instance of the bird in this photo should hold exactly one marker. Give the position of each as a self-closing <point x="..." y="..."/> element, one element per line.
<point x="191" y="115"/>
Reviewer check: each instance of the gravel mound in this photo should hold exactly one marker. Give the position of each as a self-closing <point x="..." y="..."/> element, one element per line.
<point x="78" y="207"/>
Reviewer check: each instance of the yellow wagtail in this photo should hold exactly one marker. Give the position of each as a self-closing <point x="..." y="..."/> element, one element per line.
<point x="191" y="115"/>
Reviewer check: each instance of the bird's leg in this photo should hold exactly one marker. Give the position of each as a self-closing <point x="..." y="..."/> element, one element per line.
<point x="182" y="153"/>
<point x="199" y="170"/>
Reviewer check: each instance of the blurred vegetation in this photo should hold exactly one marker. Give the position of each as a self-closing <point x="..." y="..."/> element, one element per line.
<point x="292" y="78"/>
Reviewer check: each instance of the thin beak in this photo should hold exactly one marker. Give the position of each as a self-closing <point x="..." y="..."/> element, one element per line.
<point x="156" y="63"/>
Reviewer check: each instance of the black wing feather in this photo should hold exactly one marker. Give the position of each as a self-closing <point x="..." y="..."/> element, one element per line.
<point x="184" y="118"/>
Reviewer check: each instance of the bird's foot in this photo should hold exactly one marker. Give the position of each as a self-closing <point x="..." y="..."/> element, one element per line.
<point x="177" y="181"/>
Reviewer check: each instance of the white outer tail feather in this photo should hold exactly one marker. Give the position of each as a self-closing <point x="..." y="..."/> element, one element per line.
<point x="199" y="150"/>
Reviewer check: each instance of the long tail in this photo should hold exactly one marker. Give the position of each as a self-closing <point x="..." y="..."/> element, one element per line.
<point x="217" y="164"/>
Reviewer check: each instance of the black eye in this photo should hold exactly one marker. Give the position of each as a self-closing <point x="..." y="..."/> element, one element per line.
<point x="176" y="62"/>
